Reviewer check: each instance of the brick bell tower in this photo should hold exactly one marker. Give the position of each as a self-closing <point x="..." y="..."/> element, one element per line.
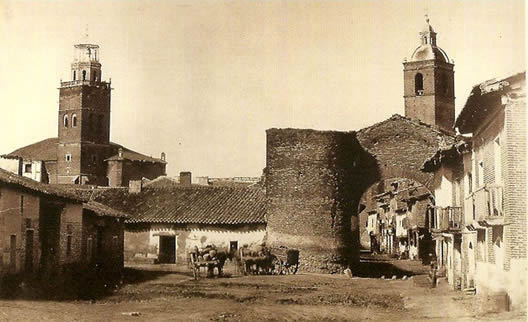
<point x="84" y="121"/>
<point x="429" y="83"/>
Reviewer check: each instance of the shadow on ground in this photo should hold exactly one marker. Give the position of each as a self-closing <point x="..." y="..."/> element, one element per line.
<point x="378" y="266"/>
<point x="72" y="284"/>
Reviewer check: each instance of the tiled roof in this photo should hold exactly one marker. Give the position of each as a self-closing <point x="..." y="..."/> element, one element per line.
<point x="189" y="205"/>
<point x="162" y="182"/>
<point x="485" y="98"/>
<point x="76" y="194"/>
<point x="46" y="150"/>
<point x="46" y="189"/>
<point x="103" y="210"/>
<point x="133" y="156"/>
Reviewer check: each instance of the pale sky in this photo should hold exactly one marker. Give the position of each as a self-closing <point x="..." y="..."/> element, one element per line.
<point x="203" y="81"/>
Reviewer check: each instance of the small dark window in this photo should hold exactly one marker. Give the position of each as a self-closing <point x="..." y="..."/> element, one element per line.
<point x="68" y="245"/>
<point x="418" y="84"/>
<point x="89" y="248"/>
<point x="74" y="75"/>
<point x="233" y="245"/>
<point x="28" y="222"/>
<point x="21" y="204"/>
<point x="65" y="120"/>
<point x="100" y="119"/>
<point x="95" y="75"/>
<point x="84" y="75"/>
<point x="27" y="168"/>
<point x="74" y="120"/>
<point x="68" y="157"/>
<point x="115" y="244"/>
<point x="91" y="121"/>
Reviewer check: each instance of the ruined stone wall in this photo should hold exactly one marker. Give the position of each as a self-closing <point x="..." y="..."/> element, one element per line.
<point x="310" y="202"/>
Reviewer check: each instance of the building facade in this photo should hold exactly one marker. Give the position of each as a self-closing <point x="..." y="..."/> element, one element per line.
<point x="487" y="182"/>
<point x="46" y="230"/>
<point x="167" y="222"/>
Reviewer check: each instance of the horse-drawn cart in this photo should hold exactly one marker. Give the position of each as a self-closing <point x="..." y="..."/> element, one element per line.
<point x="285" y="260"/>
<point x="207" y="258"/>
<point x="280" y="260"/>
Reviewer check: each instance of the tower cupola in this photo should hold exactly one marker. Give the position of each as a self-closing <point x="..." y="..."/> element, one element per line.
<point x="85" y="66"/>
<point x="429" y="85"/>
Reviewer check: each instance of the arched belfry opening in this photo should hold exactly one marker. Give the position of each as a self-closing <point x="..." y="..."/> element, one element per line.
<point x="418" y="84"/>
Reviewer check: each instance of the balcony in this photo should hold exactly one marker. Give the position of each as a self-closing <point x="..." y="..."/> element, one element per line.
<point x="446" y="218"/>
<point x="83" y="82"/>
<point x="488" y="202"/>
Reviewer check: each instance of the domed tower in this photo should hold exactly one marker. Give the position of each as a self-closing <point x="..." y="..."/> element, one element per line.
<point x="429" y="83"/>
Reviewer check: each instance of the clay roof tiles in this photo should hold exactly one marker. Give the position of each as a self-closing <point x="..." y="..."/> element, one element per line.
<point x="189" y="205"/>
<point x="46" y="150"/>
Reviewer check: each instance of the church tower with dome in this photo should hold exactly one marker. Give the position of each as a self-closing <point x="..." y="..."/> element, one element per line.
<point x="429" y="83"/>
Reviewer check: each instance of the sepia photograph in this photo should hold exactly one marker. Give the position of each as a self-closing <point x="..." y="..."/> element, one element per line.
<point x="265" y="160"/>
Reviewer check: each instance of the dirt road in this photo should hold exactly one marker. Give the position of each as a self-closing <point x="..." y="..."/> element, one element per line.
<point x="173" y="295"/>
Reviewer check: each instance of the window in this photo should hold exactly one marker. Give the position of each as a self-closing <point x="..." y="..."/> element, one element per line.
<point x="470" y="182"/>
<point x="65" y="120"/>
<point x="74" y="120"/>
<point x="74" y="75"/>
<point x="21" y="204"/>
<point x="481" y="245"/>
<point x="27" y="168"/>
<point x="481" y="173"/>
<point x="418" y="84"/>
<point x="497" y="160"/>
<point x="115" y="244"/>
<point x="95" y="75"/>
<point x="89" y="248"/>
<point x="68" y="245"/>
<point x="84" y="75"/>
<point x="100" y="119"/>
<point x="68" y="157"/>
<point x="91" y="121"/>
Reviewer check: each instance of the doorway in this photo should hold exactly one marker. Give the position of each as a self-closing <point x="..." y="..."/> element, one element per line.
<point x="29" y="251"/>
<point x="167" y="250"/>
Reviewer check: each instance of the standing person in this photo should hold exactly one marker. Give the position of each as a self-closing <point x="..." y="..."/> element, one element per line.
<point x="433" y="273"/>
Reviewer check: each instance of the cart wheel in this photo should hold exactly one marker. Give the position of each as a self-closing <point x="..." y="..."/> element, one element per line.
<point x="295" y="268"/>
<point x="276" y="266"/>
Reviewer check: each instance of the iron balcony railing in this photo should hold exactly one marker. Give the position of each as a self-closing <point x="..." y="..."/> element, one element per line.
<point x="489" y="202"/>
<point x="445" y="218"/>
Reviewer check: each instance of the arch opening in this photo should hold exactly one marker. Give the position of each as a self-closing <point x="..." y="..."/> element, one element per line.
<point x="418" y="84"/>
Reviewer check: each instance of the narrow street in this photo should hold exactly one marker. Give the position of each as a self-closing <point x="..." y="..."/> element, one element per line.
<point x="161" y="293"/>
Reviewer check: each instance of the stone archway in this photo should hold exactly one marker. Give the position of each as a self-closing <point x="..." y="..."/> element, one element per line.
<point x="315" y="179"/>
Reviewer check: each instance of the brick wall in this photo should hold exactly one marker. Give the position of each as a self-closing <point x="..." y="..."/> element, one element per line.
<point x="70" y="233"/>
<point x="437" y="104"/>
<point x="309" y="202"/>
<point x="515" y="180"/>
<point x="314" y="180"/>
<point x="16" y="220"/>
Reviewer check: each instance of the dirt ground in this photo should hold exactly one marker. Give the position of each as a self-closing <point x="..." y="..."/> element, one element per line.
<point x="168" y="292"/>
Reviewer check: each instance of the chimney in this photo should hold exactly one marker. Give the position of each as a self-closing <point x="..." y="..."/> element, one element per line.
<point x="135" y="186"/>
<point x="120" y="152"/>
<point x="185" y="178"/>
<point x="163" y="156"/>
